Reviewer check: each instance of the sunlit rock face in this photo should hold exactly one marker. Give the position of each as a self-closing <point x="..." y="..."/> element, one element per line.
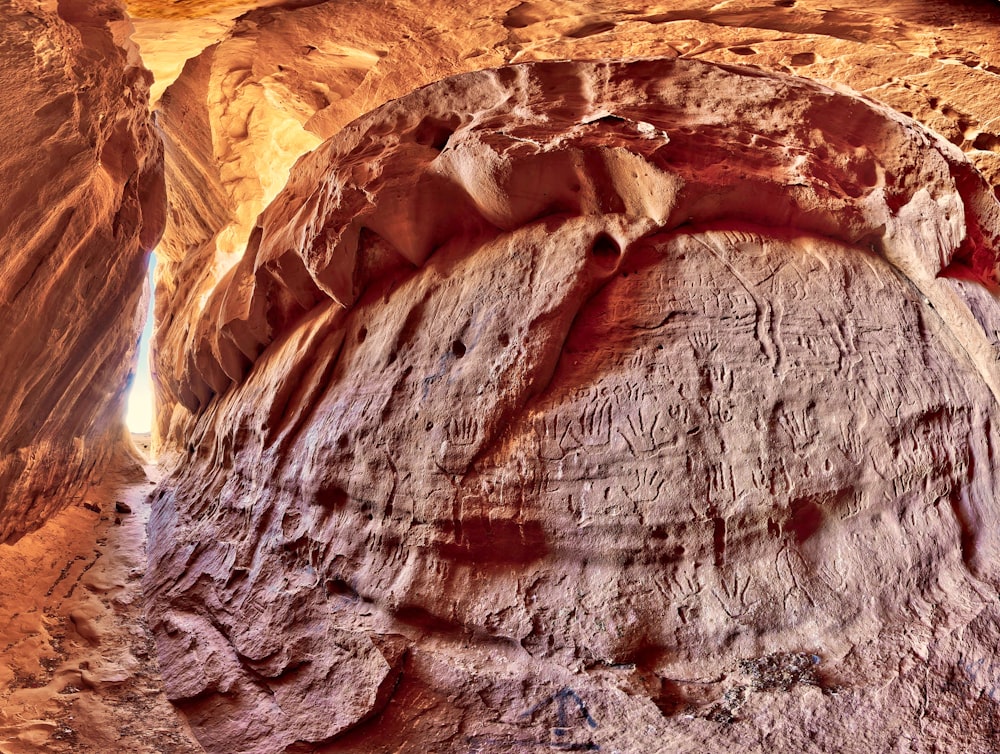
<point x="169" y="33"/>
<point x="286" y="78"/>
<point x="620" y="406"/>
<point x="82" y="201"/>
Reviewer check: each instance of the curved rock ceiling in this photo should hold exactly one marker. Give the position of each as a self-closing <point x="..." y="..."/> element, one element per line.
<point x="283" y="81"/>
<point x="644" y="402"/>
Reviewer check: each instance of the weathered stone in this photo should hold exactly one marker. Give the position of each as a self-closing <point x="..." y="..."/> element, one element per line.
<point x="81" y="205"/>
<point x="288" y="77"/>
<point x="645" y="401"/>
<point x="643" y="406"/>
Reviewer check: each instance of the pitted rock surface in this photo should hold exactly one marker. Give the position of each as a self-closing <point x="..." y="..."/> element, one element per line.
<point x="589" y="405"/>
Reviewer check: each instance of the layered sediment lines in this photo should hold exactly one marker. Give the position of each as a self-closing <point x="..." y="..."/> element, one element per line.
<point x="592" y="404"/>
<point x="287" y="77"/>
<point x="81" y="205"/>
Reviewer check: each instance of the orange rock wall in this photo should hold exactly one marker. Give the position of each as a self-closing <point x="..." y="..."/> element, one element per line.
<point x="565" y="406"/>
<point x="286" y="78"/>
<point x="82" y="203"/>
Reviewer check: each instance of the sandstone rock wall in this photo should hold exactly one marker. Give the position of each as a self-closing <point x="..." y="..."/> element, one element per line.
<point x="288" y="77"/>
<point x="82" y="202"/>
<point x="621" y="406"/>
<point x="569" y="405"/>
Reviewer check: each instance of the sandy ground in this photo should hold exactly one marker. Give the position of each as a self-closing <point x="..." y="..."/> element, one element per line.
<point x="78" y="669"/>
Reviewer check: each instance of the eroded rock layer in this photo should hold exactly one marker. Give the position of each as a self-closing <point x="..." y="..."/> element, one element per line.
<point x="287" y="77"/>
<point x="589" y="405"/>
<point x="82" y="203"/>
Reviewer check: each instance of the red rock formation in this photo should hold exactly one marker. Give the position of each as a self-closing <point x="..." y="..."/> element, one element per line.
<point x="288" y="77"/>
<point x="81" y="205"/>
<point x="568" y="405"/>
<point x="587" y="405"/>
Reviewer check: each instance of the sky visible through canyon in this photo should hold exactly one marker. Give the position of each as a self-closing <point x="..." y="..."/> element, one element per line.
<point x="139" y="415"/>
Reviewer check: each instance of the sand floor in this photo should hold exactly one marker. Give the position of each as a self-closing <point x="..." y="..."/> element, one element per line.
<point x="78" y="668"/>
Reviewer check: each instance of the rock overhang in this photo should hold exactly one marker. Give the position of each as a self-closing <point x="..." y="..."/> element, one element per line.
<point x="720" y="363"/>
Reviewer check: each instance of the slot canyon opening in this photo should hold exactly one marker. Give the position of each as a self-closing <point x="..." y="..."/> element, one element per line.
<point x="140" y="408"/>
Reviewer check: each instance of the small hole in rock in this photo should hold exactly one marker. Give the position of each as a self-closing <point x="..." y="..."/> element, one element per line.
<point x="458" y="348"/>
<point x="362" y="334"/>
<point x="606" y="250"/>
<point x="867" y="173"/>
<point x="986" y="142"/>
<point x="435" y="132"/>
<point x="503" y="339"/>
<point x="339" y="587"/>
<point x="521" y="16"/>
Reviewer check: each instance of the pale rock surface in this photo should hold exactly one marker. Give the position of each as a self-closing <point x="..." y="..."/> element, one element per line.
<point x="82" y="202"/>
<point x="627" y="407"/>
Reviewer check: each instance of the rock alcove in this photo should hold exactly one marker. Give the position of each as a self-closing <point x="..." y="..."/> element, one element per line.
<point x="530" y="376"/>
